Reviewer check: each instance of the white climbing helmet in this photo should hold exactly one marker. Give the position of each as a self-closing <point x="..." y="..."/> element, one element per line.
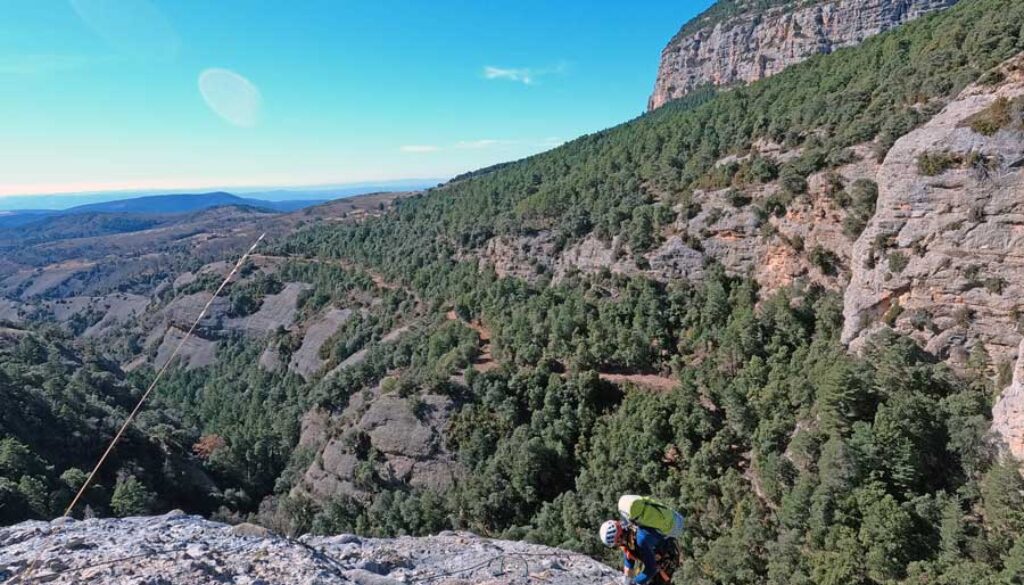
<point x="610" y="533"/>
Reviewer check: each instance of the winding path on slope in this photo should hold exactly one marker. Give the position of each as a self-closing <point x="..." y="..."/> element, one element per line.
<point x="485" y="362"/>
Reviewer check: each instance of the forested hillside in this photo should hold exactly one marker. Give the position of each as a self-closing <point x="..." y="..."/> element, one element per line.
<point x="634" y="180"/>
<point x="58" y="408"/>
<point x="794" y="461"/>
<point x="406" y="374"/>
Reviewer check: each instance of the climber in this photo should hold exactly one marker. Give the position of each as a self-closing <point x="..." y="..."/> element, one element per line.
<point x="647" y="535"/>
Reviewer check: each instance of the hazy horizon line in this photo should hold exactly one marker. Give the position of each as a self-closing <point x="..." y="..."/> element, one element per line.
<point x="184" y="188"/>
<point x="47" y="202"/>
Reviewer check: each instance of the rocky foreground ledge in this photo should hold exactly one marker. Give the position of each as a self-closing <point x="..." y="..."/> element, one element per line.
<point x="180" y="549"/>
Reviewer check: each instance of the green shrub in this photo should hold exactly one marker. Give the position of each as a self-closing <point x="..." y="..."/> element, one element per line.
<point x="863" y="195"/>
<point x="932" y="164"/>
<point x="792" y="182"/>
<point x="897" y="261"/>
<point x="776" y="204"/>
<point x="963" y="316"/>
<point x="995" y="285"/>
<point x="763" y="170"/>
<point x="854" y="225"/>
<point x="131" y="498"/>
<point x="826" y="260"/>
<point x="795" y="241"/>
<point x="737" y="198"/>
<point x="1003" y="113"/>
<point x="993" y="77"/>
<point x="921" y="320"/>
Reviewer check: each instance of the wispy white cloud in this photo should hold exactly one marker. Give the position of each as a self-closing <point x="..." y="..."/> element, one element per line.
<point x="134" y="28"/>
<point x="419" y="148"/>
<point x="521" y="75"/>
<point x="524" y="75"/>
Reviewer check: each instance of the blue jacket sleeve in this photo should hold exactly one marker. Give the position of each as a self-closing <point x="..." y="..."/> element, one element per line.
<point x="646" y="543"/>
<point x="626" y="562"/>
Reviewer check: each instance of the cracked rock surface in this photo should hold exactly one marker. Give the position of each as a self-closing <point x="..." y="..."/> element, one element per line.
<point x="942" y="260"/>
<point x="177" y="548"/>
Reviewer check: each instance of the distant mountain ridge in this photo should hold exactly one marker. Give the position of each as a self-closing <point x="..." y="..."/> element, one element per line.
<point x="57" y="202"/>
<point x="157" y="205"/>
<point x="185" y="203"/>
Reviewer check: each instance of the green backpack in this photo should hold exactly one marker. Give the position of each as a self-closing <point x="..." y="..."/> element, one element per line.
<point x="650" y="513"/>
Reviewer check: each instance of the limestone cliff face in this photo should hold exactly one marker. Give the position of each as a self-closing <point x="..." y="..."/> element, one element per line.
<point x="943" y="258"/>
<point x="777" y="250"/>
<point x="1008" y="413"/>
<point x="758" y="44"/>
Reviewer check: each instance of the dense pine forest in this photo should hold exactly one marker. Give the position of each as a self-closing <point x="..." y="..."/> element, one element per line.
<point x="794" y="460"/>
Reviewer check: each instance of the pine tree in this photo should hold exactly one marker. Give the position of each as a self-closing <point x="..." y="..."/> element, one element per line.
<point x="131" y="498"/>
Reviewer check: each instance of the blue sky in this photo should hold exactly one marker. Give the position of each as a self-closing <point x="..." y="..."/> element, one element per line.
<point x="154" y="94"/>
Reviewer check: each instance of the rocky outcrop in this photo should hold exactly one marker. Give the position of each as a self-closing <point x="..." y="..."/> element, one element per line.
<point x="11" y="311"/>
<point x="182" y="311"/>
<point x="758" y="43"/>
<point x="109" y="311"/>
<point x="11" y="335"/>
<point x="360" y="356"/>
<point x="276" y="311"/>
<point x="196" y="352"/>
<point x="306" y="360"/>
<point x="1008" y="412"/>
<point x="777" y="249"/>
<point x="44" y="281"/>
<point x="176" y="548"/>
<point x="270" y="359"/>
<point x="407" y="433"/>
<point x="522" y="257"/>
<point x="943" y="258"/>
<point x="592" y="255"/>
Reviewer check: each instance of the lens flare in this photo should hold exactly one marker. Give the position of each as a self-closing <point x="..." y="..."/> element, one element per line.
<point x="231" y="96"/>
<point x="135" y="28"/>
